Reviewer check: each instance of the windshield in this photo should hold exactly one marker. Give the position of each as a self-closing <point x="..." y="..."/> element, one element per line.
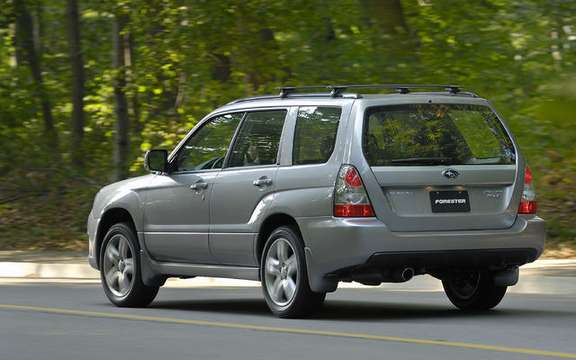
<point x="435" y="134"/>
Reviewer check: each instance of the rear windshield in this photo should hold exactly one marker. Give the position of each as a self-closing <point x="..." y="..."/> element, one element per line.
<point x="435" y="134"/>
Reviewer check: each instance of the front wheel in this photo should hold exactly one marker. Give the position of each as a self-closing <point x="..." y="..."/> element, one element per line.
<point x="284" y="276"/>
<point x="120" y="269"/>
<point x="473" y="290"/>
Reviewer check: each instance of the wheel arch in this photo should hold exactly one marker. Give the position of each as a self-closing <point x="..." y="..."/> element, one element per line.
<point x="110" y="217"/>
<point x="272" y="222"/>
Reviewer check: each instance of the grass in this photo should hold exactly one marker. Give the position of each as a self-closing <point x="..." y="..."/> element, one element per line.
<point x="45" y="217"/>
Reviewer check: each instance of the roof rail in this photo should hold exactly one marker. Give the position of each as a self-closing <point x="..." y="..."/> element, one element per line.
<point x="287" y="90"/>
<point x="401" y="88"/>
<point x="338" y="90"/>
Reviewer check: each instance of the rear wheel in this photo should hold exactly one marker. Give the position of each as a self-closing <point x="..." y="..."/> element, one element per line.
<point x="120" y="269"/>
<point x="284" y="276"/>
<point x="473" y="290"/>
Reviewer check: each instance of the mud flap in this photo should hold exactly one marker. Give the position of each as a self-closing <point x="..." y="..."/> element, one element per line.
<point x="318" y="282"/>
<point x="508" y="277"/>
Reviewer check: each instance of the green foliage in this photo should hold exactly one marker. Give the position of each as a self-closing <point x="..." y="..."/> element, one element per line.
<point x="185" y="57"/>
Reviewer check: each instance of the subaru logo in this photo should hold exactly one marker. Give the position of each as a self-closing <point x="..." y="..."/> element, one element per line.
<point x="450" y="173"/>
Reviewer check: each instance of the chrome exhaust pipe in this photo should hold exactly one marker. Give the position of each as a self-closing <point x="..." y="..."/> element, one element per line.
<point x="407" y="274"/>
<point x="402" y="274"/>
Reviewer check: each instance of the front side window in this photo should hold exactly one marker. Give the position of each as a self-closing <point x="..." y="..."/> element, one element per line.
<point x="258" y="139"/>
<point x="315" y="134"/>
<point x="435" y="134"/>
<point x="207" y="148"/>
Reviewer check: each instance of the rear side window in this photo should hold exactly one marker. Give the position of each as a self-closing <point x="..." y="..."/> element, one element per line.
<point x="315" y="134"/>
<point x="435" y="134"/>
<point x="258" y="139"/>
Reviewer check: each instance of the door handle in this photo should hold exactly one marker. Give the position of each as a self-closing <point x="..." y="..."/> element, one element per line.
<point x="197" y="186"/>
<point x="263" y="181"/>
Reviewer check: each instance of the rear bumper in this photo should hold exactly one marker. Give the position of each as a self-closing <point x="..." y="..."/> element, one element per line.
<point x="441" y="259"/>
<point x="333" y="244"/>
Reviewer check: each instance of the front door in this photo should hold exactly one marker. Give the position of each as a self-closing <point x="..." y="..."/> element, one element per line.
<point x="177" y="205"/>
<point x="248" y="177"/>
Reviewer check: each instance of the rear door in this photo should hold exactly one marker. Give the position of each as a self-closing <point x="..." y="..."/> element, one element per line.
<point x="248" y="177"/>
<point x="440" y="167"/>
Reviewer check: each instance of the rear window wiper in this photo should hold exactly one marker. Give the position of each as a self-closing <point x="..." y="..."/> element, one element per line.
<point x="424" y="161"/>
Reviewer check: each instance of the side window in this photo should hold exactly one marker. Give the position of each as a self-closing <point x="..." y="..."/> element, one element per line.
<point x="258" y="139"/>
<point x="207" y="148"/>
<point x="315" y="134"/>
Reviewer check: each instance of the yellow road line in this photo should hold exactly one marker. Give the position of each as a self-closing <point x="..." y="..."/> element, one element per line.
<point x="288" y="330"/>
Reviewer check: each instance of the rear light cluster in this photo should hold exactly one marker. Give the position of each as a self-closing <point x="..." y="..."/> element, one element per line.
<point x="350" y="198"/>
<point x="528" y="203"/>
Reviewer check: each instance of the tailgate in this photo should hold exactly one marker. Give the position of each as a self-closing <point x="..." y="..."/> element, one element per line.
<point x="441" y="167"/>
<point x="422" y="198"/>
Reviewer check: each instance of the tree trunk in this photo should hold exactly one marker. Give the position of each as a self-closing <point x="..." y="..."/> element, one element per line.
<point x="221" y="69"/>
<point x="25" y="35"/>
<point x="122" y="146"/>
<point x="137" y="124"/>
<point x="387" y="15"/>
<point x="77" y="64"/>
<point x="392" y="41"/>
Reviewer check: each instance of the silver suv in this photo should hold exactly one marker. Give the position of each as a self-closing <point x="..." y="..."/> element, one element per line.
<point x="315" y="186"/>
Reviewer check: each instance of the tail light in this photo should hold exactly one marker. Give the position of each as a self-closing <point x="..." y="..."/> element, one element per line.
<point x="350" y="198"/>
<point x="528" y="203"/>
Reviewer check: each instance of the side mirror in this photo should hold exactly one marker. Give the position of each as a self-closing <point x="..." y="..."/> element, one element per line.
<point x="156" y="160"/>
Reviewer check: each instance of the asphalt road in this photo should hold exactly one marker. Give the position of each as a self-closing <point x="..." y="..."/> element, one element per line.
<point x="74" y="321"/>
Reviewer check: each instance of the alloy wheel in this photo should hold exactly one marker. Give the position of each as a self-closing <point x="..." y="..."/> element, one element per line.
<point x="119" y="265"/>
<point x="281" y="272"/>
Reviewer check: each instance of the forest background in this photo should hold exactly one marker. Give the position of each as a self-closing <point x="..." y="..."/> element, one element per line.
<point x="86" y="87"/>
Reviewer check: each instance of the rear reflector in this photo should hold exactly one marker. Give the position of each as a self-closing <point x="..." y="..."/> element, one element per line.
<point x="350" y="198"/>
<point x="528" y="204"/>
<point x="353" y="210"/>
<point x="528" y="207"/>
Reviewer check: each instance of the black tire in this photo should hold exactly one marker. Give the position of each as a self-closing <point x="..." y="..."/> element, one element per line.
<point x="473" y="290"/>
<point x="138" y="295"/>
<point x="304" y="302"/>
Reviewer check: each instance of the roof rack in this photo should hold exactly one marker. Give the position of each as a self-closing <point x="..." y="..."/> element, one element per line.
<point x="338" y="90"/>
<point x="401" y="88"/>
